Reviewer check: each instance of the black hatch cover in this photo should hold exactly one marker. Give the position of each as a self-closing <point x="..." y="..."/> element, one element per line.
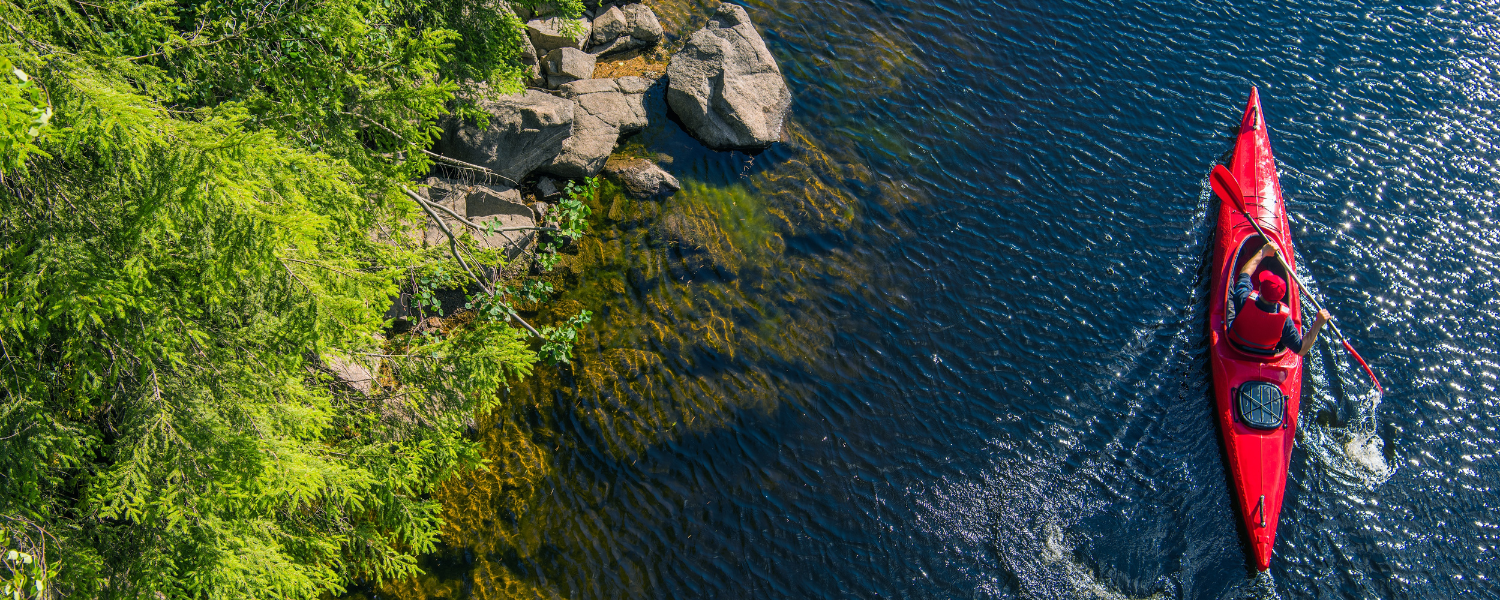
<point x="1261" y="404"/>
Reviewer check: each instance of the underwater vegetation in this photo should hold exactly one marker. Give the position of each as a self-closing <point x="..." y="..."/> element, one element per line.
<point x="694" y="295"/>
<point x="706" y="304"/>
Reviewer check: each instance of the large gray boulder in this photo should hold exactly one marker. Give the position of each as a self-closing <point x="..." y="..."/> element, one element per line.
<point x="550" y="33"/>
<point x="726" y="87"/>
<point x="532" y="61"/>
<point x="525" y="132"/>
<point x="523" y="12"/>
<point x="610" y="25"/>
<point x="644" y="26"/>
<point x="605" y="109"/>
<point x="547" y="189"/>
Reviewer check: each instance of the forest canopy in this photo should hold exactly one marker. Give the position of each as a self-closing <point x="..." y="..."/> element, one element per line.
<point x="202" y="206"/>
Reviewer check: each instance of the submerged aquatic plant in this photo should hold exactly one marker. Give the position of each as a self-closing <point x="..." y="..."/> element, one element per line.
<point x="688" y="295"/>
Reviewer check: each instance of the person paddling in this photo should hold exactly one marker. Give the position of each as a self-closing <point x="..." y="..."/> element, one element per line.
<point x="1263" y="324"/>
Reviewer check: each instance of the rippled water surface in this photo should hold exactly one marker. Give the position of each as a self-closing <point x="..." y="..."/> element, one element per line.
<point x="947" y="341"/>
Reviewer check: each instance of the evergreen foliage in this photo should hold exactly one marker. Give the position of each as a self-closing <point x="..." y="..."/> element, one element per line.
<point x="201" y="209"/>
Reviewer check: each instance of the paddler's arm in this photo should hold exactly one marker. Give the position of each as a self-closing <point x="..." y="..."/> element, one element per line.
<point x="1251" y="265"/>
<point x="1242" y="285"/>
<point x="1312" y="334"/>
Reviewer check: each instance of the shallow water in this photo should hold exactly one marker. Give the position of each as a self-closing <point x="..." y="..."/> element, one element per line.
<point x="948" y="340"/>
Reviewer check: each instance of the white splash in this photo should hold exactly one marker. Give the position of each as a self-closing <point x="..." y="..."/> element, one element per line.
<point x="1013" y="519"/>
<point x="1367" y="449"/>
<point x="1264" y="586"/>
<point x="1353" y="454"/>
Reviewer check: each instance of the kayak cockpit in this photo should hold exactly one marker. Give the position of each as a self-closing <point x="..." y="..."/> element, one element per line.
<point x="1247" y="249"/>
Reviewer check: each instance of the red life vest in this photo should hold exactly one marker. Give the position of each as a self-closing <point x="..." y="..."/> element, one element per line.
<point x="1257" y="331"/>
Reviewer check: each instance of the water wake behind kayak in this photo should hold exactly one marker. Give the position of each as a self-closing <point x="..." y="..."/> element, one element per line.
<point x="1013" y="524"/>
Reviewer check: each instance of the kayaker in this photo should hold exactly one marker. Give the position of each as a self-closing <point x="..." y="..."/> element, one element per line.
<point x="1256" y="323"/>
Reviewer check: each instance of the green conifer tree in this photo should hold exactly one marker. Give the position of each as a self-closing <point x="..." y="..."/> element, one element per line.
<point x="202" y="204"/>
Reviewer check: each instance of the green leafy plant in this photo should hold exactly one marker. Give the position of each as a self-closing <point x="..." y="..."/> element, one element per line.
<point x="571" y="215"/>
<point x="572" y="212"/>
<point x="532" y="292"/>
<point x="557" y="345"/>
<point x="424" y="294"/>
<point x="22" y="574"/>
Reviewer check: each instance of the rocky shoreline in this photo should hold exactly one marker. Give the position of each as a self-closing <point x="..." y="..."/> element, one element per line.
<point x="723" y="85"/>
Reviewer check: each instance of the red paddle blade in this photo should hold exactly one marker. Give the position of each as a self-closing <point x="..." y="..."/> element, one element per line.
<point x="1226" y="187"/>
<point x="1368" y="370"/>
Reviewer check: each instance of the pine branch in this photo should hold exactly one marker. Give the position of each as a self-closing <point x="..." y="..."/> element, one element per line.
<point x="242" y="34"/>
<point x="313" y="264"/>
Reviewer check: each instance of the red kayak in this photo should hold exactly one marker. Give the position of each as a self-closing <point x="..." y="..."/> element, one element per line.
<point x="1255" y="398"/>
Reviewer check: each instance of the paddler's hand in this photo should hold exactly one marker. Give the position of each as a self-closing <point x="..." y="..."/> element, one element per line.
<point x="1268" y="250"/>
<point x="1323" y="317"/>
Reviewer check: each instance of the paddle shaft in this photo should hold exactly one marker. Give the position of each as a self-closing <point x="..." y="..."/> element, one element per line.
<point x="1291" y="272"/>
<point x="1239" y="203"/>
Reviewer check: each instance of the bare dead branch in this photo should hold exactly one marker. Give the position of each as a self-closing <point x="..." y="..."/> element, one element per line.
<point x="452" y="240"/>
<point x="428" y="206"/>
<point x="434" y="155"/>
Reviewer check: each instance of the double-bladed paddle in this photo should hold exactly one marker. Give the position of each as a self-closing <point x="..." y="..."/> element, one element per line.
<point x="1227" y="188"/>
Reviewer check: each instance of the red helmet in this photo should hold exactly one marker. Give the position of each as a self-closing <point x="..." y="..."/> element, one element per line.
<point x="1271" y="286"/>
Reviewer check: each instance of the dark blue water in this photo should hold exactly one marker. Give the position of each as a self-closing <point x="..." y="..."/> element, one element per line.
<point x="957" y="348"/>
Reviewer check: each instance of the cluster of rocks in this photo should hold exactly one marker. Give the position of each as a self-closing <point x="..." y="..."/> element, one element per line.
<point x="567" y="124"/>
<point x="557" y="57"/>
<point x="723" y="84"/>
<point x="479" y="204"/>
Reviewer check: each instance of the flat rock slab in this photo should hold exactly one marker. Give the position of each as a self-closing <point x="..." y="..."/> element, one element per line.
<point x="525" y="132"/>
<point x="726" y="86"/>
<point x="358" y="375"/>
<point x="480" y="204"/>
<point x="604" y="109"/>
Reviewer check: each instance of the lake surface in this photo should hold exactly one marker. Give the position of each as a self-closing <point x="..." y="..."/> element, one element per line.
<point x="947" y="341"/>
